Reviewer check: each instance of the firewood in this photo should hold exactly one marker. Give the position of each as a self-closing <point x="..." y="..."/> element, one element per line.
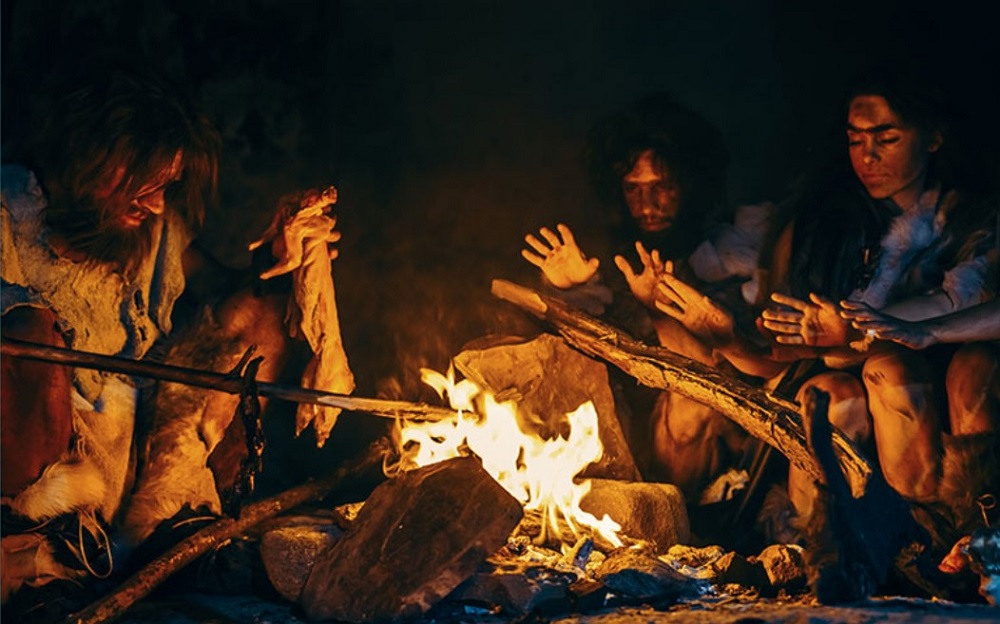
<point x="143" y="582"/>
<point x="768" y="418"/>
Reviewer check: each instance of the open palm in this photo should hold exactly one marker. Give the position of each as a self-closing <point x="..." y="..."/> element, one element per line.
<point x="559" y="257"/>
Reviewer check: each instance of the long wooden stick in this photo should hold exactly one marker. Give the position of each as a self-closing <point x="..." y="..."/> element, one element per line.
<point x="230" y="384"/>
<point x="143" y="582"/>
<point x="768" y="418"/>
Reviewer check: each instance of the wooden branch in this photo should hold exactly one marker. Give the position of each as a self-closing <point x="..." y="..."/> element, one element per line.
<point x="228" y="383"/>
<point x="143" y="582"/>
<point x="768" y="418"/>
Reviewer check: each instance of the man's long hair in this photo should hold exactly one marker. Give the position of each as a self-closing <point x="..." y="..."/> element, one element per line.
<point x="690" y="147"/>
<point x="124" y="124"/>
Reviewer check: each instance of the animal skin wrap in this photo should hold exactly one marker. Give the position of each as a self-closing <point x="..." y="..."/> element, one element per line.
<point x="312" y="312"/>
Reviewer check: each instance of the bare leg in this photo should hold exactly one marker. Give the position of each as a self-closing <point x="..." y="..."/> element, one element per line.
<point x="906" y="421"/>
<point x="189" y="423"/>
<point x="247" y="320"/>
<point x="973" y="387"/>
<point x="691" y="443"/>
<point x="848" y="412"/>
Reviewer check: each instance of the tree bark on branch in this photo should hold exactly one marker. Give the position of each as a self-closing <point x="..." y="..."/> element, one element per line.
<point x="772" y="420"/>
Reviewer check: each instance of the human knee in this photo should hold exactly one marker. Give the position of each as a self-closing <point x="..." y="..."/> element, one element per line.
<point x="973" y="389"/>
<point x="32" y="324"/>
<point x="899" y="383"/>
<point x="973" y="364"/>
<point x="848" y="406"/>
<point x="895" y="368"/>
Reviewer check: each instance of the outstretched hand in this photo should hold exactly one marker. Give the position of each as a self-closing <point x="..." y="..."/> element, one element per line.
<point x="878" y="325"/>
<point x="813" y="323"/>
<point x="699" y="314"/>
<point x="302" y="221"/>
<point x="642" y="284"/>
<point x="559" y="257"/>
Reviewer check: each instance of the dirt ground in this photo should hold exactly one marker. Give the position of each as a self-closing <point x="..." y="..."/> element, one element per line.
<point x="202" y="609"/>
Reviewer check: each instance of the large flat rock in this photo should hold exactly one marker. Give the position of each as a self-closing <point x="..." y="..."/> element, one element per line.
<point x="417" y="537"/>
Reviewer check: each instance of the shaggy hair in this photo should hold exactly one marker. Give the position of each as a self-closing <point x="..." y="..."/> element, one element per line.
<point x="113" y="120"/>
<point x="683" y="142"/>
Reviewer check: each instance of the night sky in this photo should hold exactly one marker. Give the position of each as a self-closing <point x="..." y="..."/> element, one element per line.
<point x="453" y="128"/>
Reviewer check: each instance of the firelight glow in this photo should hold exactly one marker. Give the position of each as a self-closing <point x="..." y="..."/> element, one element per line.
<point x="539" y="473"/>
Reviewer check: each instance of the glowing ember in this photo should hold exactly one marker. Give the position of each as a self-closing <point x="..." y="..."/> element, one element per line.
<point x="540" y="473"/>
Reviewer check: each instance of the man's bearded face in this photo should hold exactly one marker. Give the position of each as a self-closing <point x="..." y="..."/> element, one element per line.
<point x="653" y="198"/>
<point x="117" y="226"/>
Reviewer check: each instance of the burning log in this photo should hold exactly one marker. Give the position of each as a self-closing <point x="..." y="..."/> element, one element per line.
<point x="416" y="539"/>
<point x="772" y="420"/>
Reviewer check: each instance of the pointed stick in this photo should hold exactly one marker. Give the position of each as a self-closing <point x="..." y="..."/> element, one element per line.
<point x="228" y="383"/>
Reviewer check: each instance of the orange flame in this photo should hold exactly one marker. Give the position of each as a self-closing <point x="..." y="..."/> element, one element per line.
<point x="539" y="473"/>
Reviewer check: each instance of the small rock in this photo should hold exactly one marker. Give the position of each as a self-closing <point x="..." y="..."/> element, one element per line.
<point x="637" y="574"/>
<point x="653" y="512"/>
<point x="289" y="553"/>
<point x="785" y="566"/>
<point x="735" y="568"/>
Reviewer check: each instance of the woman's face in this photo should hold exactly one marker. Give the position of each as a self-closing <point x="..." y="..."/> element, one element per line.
<point x="653" y="198"/>
<point x="889" y="156"/>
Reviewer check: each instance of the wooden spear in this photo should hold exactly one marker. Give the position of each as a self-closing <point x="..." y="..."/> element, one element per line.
<point x="229" y="383"/>
<point x="768" y="418"/>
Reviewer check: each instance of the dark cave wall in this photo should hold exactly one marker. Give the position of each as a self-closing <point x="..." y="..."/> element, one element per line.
<point x="454" y="128"/>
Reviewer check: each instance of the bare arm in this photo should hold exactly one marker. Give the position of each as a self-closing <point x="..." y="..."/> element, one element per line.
<point x="921" y="308"/>
<point x="976" y="323"/>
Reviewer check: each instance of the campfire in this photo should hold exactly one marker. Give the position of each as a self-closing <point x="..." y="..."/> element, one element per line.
<point x="540" y="473"/>
<point x="513" y="506"/>
<point x="520" y="497"/>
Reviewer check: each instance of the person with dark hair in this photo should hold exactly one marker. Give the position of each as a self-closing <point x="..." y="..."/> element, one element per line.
<point x="662" y="168"/>
<point x="899" y="229"/>
<point x="933" y="258"/>
<point x="97" y="249"/>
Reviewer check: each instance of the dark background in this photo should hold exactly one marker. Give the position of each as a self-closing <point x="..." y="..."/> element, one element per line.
<point x="454" y="128"/>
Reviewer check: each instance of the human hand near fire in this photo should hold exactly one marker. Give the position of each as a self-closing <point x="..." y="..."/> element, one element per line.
<point x="642" y="284"/>
<point x="813" y="323"/>
<point x="302" y="222"/>
<point x="699" y="313"/>
<point x="559" y="257"/>
<point x="878" y="325"/>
